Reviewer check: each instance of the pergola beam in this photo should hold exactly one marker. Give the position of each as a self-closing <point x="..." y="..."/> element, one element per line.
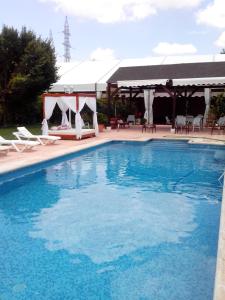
<point x="135" y="95"/>
<point x="193" y="92"/>
<point x="114" y="93"/>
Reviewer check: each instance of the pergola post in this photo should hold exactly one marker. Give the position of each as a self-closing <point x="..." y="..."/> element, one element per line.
<point x="173" y="95"/>
<point x="130" y="96"/>
<point x="207" y="95"/>
<point x="174" y="110"/>
<point x="109" y="98"/>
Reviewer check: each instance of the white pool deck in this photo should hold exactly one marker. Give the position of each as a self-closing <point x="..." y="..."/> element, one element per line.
<point x="15" y="160"/>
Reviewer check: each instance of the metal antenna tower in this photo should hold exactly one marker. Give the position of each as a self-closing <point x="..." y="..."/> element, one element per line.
<point x="66" y="42"/>
<point x="51" y="37"/>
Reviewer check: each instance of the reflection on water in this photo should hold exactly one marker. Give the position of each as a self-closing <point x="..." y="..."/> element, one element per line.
<point x="72" y="174"/>
<point x="105" y="229"/>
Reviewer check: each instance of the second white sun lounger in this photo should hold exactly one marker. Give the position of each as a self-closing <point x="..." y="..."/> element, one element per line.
<point x="16" y="143"/>
<point x="23" y="132"/>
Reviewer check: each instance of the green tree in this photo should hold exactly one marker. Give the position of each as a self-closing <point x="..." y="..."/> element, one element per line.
<point x="27" y="65"/>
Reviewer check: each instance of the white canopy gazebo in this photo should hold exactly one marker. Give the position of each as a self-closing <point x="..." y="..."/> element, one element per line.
<point x="69" y="103"/>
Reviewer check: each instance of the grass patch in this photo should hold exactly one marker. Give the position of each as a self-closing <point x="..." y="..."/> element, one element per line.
<point x="7" y="132"/>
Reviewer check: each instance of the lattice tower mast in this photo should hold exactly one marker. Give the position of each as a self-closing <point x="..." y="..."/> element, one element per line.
<point x="66" y="42"/>
<point x="51" y="37"/>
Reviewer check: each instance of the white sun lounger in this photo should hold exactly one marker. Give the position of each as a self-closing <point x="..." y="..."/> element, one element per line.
<point x="24" y="133"/>
<point x="16" y="143"/>
<point x="5" y="149"/>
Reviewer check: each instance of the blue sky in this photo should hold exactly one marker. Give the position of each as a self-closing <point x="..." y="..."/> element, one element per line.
<point x="102" y="29"/>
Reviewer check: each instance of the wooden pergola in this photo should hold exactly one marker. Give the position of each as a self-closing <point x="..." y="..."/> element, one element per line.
<point x="177" y="80"/>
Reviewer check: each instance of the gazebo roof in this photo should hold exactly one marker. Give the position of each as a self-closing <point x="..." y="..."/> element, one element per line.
<point x="85" y="76"/>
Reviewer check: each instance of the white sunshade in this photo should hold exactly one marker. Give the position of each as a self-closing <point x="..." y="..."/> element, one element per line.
<point x="134" y="83"/>
<point x="199" y="81"/>
<point x="176" y="82"/>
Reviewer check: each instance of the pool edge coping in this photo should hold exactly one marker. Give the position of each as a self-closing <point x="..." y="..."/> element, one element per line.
<point x="219" y="284"/>
<point x="71" y="151"/>
<point x="190" y="139"/>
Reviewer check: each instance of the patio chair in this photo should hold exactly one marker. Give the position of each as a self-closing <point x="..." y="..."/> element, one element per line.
<point x="219" y="125"/>
<point x="131" y="119"/>
<point x="197" y="123"/>
<point x="5" y="149"/>
<point x="181" y="123"/>
<point x="16" y="143"/>
<point x="190" y="119"/>
<point x="24" y="133"/>
<point x="122" y="124"/>
<point x="168" y="122"/>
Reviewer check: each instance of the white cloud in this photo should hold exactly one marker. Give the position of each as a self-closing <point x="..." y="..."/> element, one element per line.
<point x="220" y="42"/>
<point x="164" y="48"/>
<point x="102" y="54"/>
<point x="213" y="14"/>
<point x="197" y="32"/>
<point x="112" y="11"/>
<point x="177" y="4"/>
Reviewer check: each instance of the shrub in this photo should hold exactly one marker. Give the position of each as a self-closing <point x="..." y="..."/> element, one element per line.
<point x="217" y="107"/>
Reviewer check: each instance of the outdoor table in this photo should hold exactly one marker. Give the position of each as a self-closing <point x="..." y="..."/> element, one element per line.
<point x="122" y="124"/>
<point x="149" y="126"/>
<point x="186" y="127"/>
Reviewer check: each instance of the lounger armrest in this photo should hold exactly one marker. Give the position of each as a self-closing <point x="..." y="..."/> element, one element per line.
<point x="17" y="135"/>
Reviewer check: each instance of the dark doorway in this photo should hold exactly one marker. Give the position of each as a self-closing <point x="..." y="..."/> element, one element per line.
<point x="162" y="107"/>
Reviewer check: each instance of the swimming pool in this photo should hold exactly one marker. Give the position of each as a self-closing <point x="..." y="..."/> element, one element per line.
<point x="126" y="220"/>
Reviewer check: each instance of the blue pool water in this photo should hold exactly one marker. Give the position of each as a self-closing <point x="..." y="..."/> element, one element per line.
<point x="132" y="221"/>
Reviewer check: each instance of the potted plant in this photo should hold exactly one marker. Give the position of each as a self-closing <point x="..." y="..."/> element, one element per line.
<point x="143" y="121"/>
<point x="102" y="121"/>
